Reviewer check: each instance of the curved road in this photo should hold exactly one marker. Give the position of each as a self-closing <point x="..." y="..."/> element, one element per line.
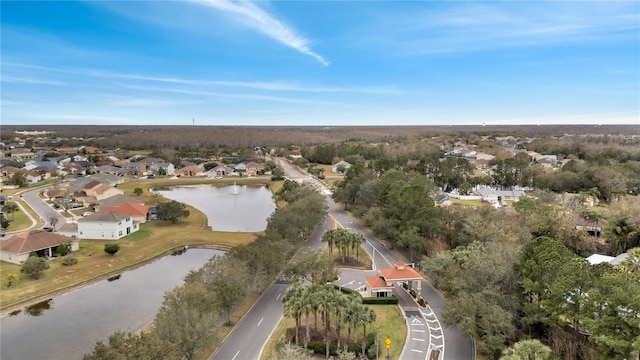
<point x="250" y="335"/>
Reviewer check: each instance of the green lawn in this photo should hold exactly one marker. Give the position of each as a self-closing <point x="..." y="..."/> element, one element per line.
<point x="19" y="219"/>
<point x="154" y="239"/>
<point x="389" y="320"/>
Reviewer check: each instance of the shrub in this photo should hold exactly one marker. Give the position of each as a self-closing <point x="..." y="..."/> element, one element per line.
<point x="69" y="260"/>
<point x="380" y="300"/>
<point x="62" y="250"/>
<point x="34" y="267"/>
<point x="111" y="249"/>
<point x="355" y="348"/>
<point x="421" y="302"/>
<point x="413" y="293"/>
<point x="371" y="351"/>
<point x="319" y="347"/>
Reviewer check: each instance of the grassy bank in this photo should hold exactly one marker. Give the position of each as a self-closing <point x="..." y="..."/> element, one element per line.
<point x="154" y="239"/>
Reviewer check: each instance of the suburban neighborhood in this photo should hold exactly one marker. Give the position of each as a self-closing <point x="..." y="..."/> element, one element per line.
<point x="485" y="193"/>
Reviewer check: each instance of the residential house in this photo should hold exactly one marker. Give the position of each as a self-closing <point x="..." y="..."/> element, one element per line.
<point x="252" y="168"/>
<point x="46" y="165"/>
<point x="482" y="160"/>
<point x="221" y="170"/>
<point x="499" y="196"/>
<point x="191" y="170"/>
<point x="104" y="191"/>
<point x="108" y="169"/>
<point x="23" y="154"/>
<point x="113" y="180"/>
<point x="106" y="225"/>
<point x="67" y="150"/>
<point x="16" y="250"/>
<point x="341" y="166"/>
<point x="69" y="229"/>
<point x="134" y="168"/>
<point x="162" y="168"/>
<point x="32" y="177"/>
<point x="596" y="259"/>
<point x="139" y="212"/>
<point x="117" y="200"/>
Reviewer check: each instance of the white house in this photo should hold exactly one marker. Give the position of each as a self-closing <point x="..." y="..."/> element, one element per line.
<point x="499" y="196"/>
<point x="106" y="225"/>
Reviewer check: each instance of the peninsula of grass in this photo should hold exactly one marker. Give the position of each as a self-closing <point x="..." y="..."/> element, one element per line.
<point x="153" y="240"/>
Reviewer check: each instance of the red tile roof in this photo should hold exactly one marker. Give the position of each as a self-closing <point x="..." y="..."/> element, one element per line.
<point x="400" y="272"/>
<point x="376" y="282"/>
<point x="33" y="241"/>
<point x="132" y="209"/>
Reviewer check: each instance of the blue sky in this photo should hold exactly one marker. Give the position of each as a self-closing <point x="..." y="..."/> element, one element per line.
<point x="320" y="62"/>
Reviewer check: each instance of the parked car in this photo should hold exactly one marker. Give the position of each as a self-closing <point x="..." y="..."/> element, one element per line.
<point x="87" y="213"/>
<point x="48" y="228"/>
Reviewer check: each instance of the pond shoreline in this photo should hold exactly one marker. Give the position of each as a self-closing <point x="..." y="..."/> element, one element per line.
<point x="61" y="291"/>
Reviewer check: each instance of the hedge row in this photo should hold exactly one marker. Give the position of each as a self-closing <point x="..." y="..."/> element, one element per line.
<point x="380" y="300"/>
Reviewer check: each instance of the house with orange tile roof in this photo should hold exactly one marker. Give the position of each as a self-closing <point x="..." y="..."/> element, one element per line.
<point x="16" y="249"/>
<point x="138" y="212"/>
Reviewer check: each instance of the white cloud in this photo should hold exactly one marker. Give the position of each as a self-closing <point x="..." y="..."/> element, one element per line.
<point x="476" y="27"/>
<point x="255" y="17"/>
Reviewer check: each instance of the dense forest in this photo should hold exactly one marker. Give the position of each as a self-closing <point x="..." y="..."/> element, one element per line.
<point x="218" y="137"/>
<point x="519" y="272"/>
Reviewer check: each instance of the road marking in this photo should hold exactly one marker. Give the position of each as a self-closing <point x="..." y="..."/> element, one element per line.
<point x="416" y="321"/>
<point x="260" y="322"/>
<point x="418" y="339"/>
<point x="417" y="330"/>
<point x="415" y="350"/>
<point x="236" y="355"/>
<point x="278" y="297"/>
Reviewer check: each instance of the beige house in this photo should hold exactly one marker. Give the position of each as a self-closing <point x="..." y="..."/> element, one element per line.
<point x="191" y="170"/>
<point x="104" y="191"/>
<point x="16" y="250"/>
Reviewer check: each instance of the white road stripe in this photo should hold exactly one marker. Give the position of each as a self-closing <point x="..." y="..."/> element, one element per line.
<point x="278" y="297"/>
<point x="236" y="355"/>
<point x="260" y="322"/>
<point x="418" y="339"/>
<point x="415" y="350"/>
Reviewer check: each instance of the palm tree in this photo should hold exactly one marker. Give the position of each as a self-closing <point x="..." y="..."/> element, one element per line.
<point x="369" y="317"/>
<point x="10" y="208"/>
<point x="293" y="304"/>
<point x="621" y="231"/>
<point x="329" y="237"/>
<point x="357" y="239"/>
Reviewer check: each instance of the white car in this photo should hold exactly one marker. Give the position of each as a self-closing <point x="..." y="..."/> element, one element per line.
<point x="87" y="213"/>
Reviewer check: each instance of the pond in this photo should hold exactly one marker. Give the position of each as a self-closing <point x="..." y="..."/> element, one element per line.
<point x="67" y="326"/>
<point x="237" y="208"/>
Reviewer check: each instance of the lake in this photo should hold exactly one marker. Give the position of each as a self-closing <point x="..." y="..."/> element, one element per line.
<point x="236" y="208"/>
<point x="67" y="326"/>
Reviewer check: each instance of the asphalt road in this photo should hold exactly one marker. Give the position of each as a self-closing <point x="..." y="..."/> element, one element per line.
<point x="43" y="209"/>
<point x="249" y="336"/>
